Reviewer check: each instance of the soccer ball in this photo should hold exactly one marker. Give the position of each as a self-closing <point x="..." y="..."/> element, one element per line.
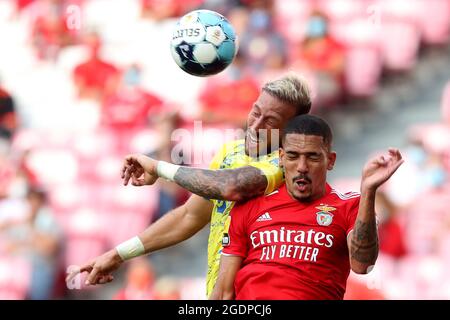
<point x="203" y="43"/>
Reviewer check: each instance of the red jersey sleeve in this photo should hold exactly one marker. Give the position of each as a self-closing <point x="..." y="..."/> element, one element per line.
<point x="352" y="213"/>
<point x="237" y="242"/>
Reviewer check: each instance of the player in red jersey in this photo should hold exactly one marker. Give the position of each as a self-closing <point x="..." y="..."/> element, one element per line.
<point x="300" y="241"/>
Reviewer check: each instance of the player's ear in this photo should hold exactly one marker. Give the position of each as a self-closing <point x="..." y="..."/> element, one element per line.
<point x="281" y="153"/>
<point x="331" y="160"/>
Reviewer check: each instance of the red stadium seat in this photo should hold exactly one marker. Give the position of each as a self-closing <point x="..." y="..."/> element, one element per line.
<point x="122" y="225"/>
<point x="82" y="249"/>
<point x="53" y="166"/>
<point x="435" y="137"/>
<point x="435" y="30"/>
<point x="291" y="17"/>
<point x="15" y="277"/>
<point x="362" y="70"/>
<point x="339" y="10"/>
<point x="400" y="43"/>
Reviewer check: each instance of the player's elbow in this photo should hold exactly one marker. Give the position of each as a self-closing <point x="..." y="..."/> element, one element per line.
<point x="233" y="193"/>
<point x="362" y="268"/>
<point x="358" y="270"/>
<point x="241" y="193"/>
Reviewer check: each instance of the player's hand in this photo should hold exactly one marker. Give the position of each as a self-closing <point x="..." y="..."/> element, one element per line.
<point x="100" y="269"/>
<point x="140" y="169"/>
<point x="378" y="170"/>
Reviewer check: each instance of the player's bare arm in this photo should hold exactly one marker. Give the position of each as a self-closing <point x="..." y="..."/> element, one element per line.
<point x="224" y="288"/>
<point x="188" y="219"/>
<point x="228" y="184"/>
<point x="363" y="240"/>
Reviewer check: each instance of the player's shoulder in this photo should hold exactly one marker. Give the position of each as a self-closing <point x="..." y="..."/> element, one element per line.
<point x="227" y="153"/>
<point x="249" y="206"/>
<point x="234" y="144"/>
<point x="233" y="147"/>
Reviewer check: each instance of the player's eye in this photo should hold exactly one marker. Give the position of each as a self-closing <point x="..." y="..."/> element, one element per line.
<point x="291" y="156"/>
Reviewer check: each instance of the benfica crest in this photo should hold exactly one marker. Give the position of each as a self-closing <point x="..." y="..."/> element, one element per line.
<point x="324" y="216"/>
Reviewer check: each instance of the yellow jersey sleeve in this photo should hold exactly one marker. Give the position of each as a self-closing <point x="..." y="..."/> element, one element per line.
<point x="273" y="173"/>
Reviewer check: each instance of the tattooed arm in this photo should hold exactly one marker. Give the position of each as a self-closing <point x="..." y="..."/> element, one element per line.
<point x="226" y="184"/>
<point x="363" y="240"/>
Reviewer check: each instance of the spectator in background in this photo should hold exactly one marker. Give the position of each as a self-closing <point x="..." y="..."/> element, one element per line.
<point x="227" y="99"/>
<point x="166" y="288"/>
<point x="8" y="119"/>
<point x="130" y="106"/>
<point x="25" y="170"/>
<point x="49" y="29"/>
<point x="390" y="231"/>
<point x="22" y="4"/>
<point x="95" y="78"/>
<point x="262" y="47"/>
<point x="322" y="54"/>
<point x="259" y="4"/>
<point x="45" y="244"/>
<point x="37" y="237"/>
<point x="140" y="279"/>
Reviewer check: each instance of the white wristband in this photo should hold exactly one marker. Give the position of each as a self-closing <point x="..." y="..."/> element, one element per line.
<point x="167" y="170"/>
<point x="131" y="248"/>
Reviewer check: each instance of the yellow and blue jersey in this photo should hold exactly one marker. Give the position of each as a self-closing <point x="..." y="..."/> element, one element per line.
<point x="231" y="156"/>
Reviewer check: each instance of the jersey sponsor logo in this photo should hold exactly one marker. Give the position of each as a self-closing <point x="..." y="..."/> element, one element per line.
<point x="264" y="217"/>
<point x="291" y="244"/>
<point x="324" y="216"/>
<point x="273" y="236"/>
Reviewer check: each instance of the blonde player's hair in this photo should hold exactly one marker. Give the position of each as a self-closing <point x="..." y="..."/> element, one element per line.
<point x="291" y="89"/>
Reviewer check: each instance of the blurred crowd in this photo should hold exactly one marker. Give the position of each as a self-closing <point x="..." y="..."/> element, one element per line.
<point x="85" y="82"/>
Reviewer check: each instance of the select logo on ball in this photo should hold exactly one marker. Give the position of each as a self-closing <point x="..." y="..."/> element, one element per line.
<point x="203" y="43"/>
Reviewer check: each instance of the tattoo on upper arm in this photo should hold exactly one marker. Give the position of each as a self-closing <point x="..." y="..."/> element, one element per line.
<point x="364" y="242"/>
<point x="245" y="182"/>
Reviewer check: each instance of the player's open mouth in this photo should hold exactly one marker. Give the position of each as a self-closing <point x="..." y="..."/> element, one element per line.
<point x="301" y="184"/>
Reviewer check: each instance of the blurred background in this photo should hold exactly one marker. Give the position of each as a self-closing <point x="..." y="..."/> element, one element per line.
<point x="85" y="82"/>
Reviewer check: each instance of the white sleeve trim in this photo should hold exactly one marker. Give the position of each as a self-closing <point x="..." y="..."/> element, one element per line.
<point x="349" y="233"/>
<point x="231" y="254"/>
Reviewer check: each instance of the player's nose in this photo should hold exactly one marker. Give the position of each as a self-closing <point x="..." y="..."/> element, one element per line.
<point x="302" y="165"/>
<point x="257" y="125"/>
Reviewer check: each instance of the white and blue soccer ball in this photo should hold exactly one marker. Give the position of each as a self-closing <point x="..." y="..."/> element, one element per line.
<point x="203" y="43"/>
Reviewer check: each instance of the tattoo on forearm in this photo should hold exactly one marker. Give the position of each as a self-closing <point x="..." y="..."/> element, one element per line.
<point x="364" y="241"/>
<point x="245" y="183"/>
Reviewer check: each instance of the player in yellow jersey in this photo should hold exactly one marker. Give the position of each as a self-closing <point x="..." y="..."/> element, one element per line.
<point x="241" y="170"/>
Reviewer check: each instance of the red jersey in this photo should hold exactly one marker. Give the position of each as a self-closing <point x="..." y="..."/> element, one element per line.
<point x="130" y="108"/>
<point x="94" y="73"/>
<point x="292" y="250"/>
